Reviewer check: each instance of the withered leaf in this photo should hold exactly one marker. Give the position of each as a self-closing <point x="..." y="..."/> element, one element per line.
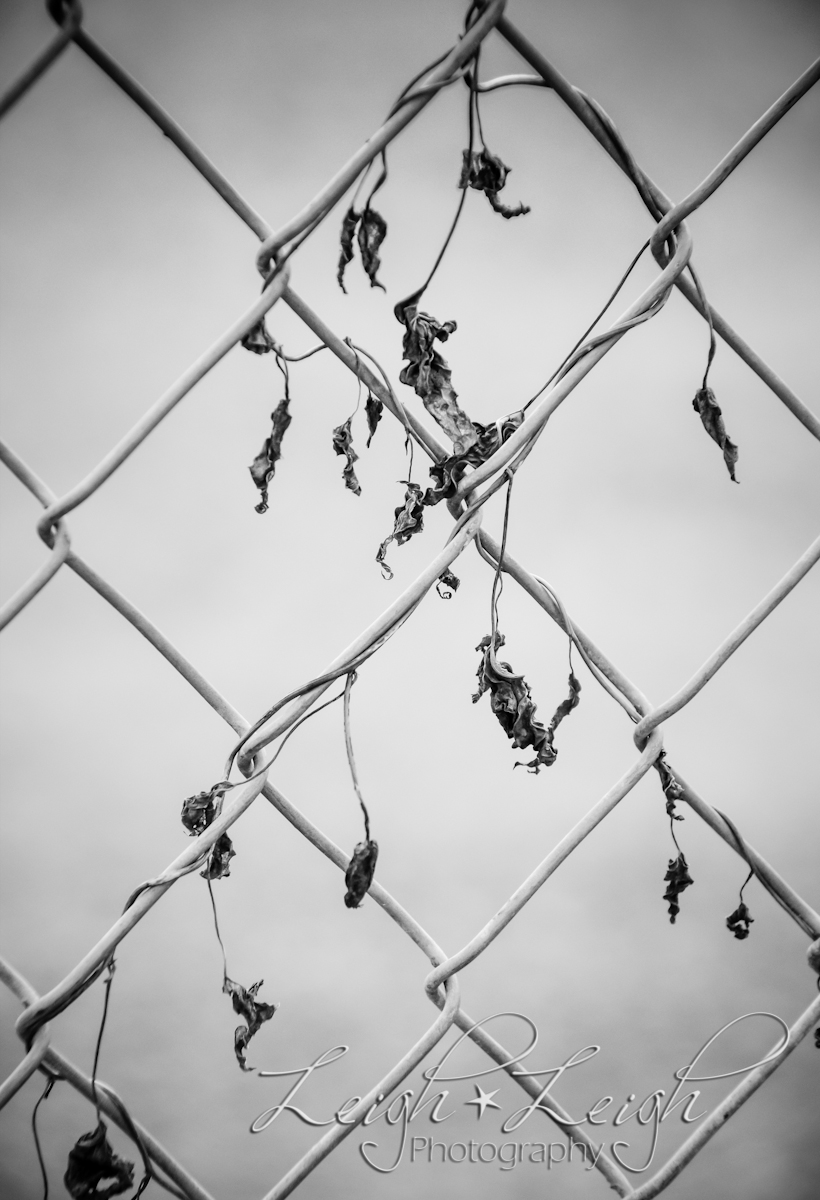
<point x="372" y="229"/>
<point x="712" y="418"/>
<point x="671" y="788"/>
<point x="372" y="232"/>
<point x="373" y="411"/>
<point x="254" y="1012"/>
<point x="258" y="340"/>
<point x="429" y="376"/>
<point x="218" y="865"/>
<point x="263" y="467"/>
<point x="447" y="474"/>
<point x="484" y="171"/>
<point x="447" y="585"/>
<point x="198" y="811"/>
<point x="677" y="879"/>
<point x="408" y="519"/>
<point x="94" y="1171"/>
<point x="343" y="444"/>
<point x="359" y="873"/>
<point x="511" y="701"/>
<point x="739" y="921"/>
<point x="351" y="220"/>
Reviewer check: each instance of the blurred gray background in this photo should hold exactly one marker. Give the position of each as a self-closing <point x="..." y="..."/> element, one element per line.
<point x="120" y="266"/>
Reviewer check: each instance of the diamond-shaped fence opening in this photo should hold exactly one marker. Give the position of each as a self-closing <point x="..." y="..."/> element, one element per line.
<point x="408" y="792"/>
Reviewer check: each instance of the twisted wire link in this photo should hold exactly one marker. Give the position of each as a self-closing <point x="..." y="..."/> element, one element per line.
<point x="672" y="247"/>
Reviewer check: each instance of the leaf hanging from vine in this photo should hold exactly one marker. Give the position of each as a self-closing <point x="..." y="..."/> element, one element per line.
<point x="710" y="414"/>
<point x="408" y="519"/>
<point x="511" y="701"/>
<point x="739" y="921"/>
<point x="373" y="411"/>
<point x="263" y="467"/>
<point x="429" y="376"/>
<point x="258" y="340"/>
<point x="372" y="230"/>
<point x="360" y="871"/>
<point x="254" y="1012"/>
<point x="447" y="585"/>
<point x="198" y="811"/>
<point x="94" y="1171"/>
<point x="218" y="865"/>
<point x="484" y="171"/>
<point x="671" y="788"/>
<point x="343" y="444"/>
<point x="677" y="879"/>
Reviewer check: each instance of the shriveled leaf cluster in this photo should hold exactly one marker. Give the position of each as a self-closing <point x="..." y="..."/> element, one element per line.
<point x="372" y="230"/>
<point x="739" y="921"/>
<point x="408" y="519"/>
<point x="677" y="878"/>
<point x="343" y="445"/>
<point x="254" y="1012"/>
<point x="94" y="1171"/>
<point x="360" y="871"/>
<point x="430" y="377"/>
<point x="264" y="465"/>
<point x="705" y="404"/>
<point x="511" y="701"/>
<point x="484" y="171"/>
<point x="447" y="474"/>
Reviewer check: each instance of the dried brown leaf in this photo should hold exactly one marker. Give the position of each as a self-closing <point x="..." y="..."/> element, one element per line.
<point x="710" y="414"/>
<point x="739" y="921"/>
<point x="218" y="864"/>
<point x="408" y="519"/>
<point x="486" y="173"/>
<point x="94" y="1171"/>
<point x="258" y="340"/>
<point x="373" y="411"/>
<point x="254" y="1012"/>
<point x="198" y="811"/>
<point x="677" y="878"/>
<point x="428" y="374"/>
<point x="359" y="873"/>
<point x="447" y="585"/>
<point x="343" y="444"/>
<point x="263" y="467"/>
<point x="372" y="232"/>
<point x="447" y="474"/>
<point x="351" y="220"/>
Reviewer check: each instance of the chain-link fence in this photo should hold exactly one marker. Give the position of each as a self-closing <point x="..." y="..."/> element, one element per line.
<point x="477" y="462"/>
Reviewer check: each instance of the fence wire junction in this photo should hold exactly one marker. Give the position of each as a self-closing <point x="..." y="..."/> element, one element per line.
<point x="671" y="245"/>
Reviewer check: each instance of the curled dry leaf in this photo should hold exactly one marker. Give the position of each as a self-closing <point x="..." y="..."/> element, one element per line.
<point x="739" y="921"/>
<point x="677" y="879"/>
<point x="199" y="811"/>
<point x="264" y="465"/>
<point x="710" y="414"/>
<point x="429" y="376"/>
<point x="671" y="788"/>
<point x="372" y="230"/>
<point x="94" y="1171"/>
<point x="218" y="864"/>
<point x="447" y="585"/>
<point x="373" y="411"/>
<point x="511" y="701"/>
<point x="258" y="340"/>
<point x="343" y="444"/>
<point x="408" y="519"/>
<point x="254" y="1012"/>
<point x="447" y="474"/>
<point x="359" y="873"/>
<point x="486" y="173"/>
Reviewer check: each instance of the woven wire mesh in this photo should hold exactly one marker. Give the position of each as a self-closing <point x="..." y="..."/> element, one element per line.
<point x="282" y="290"/>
